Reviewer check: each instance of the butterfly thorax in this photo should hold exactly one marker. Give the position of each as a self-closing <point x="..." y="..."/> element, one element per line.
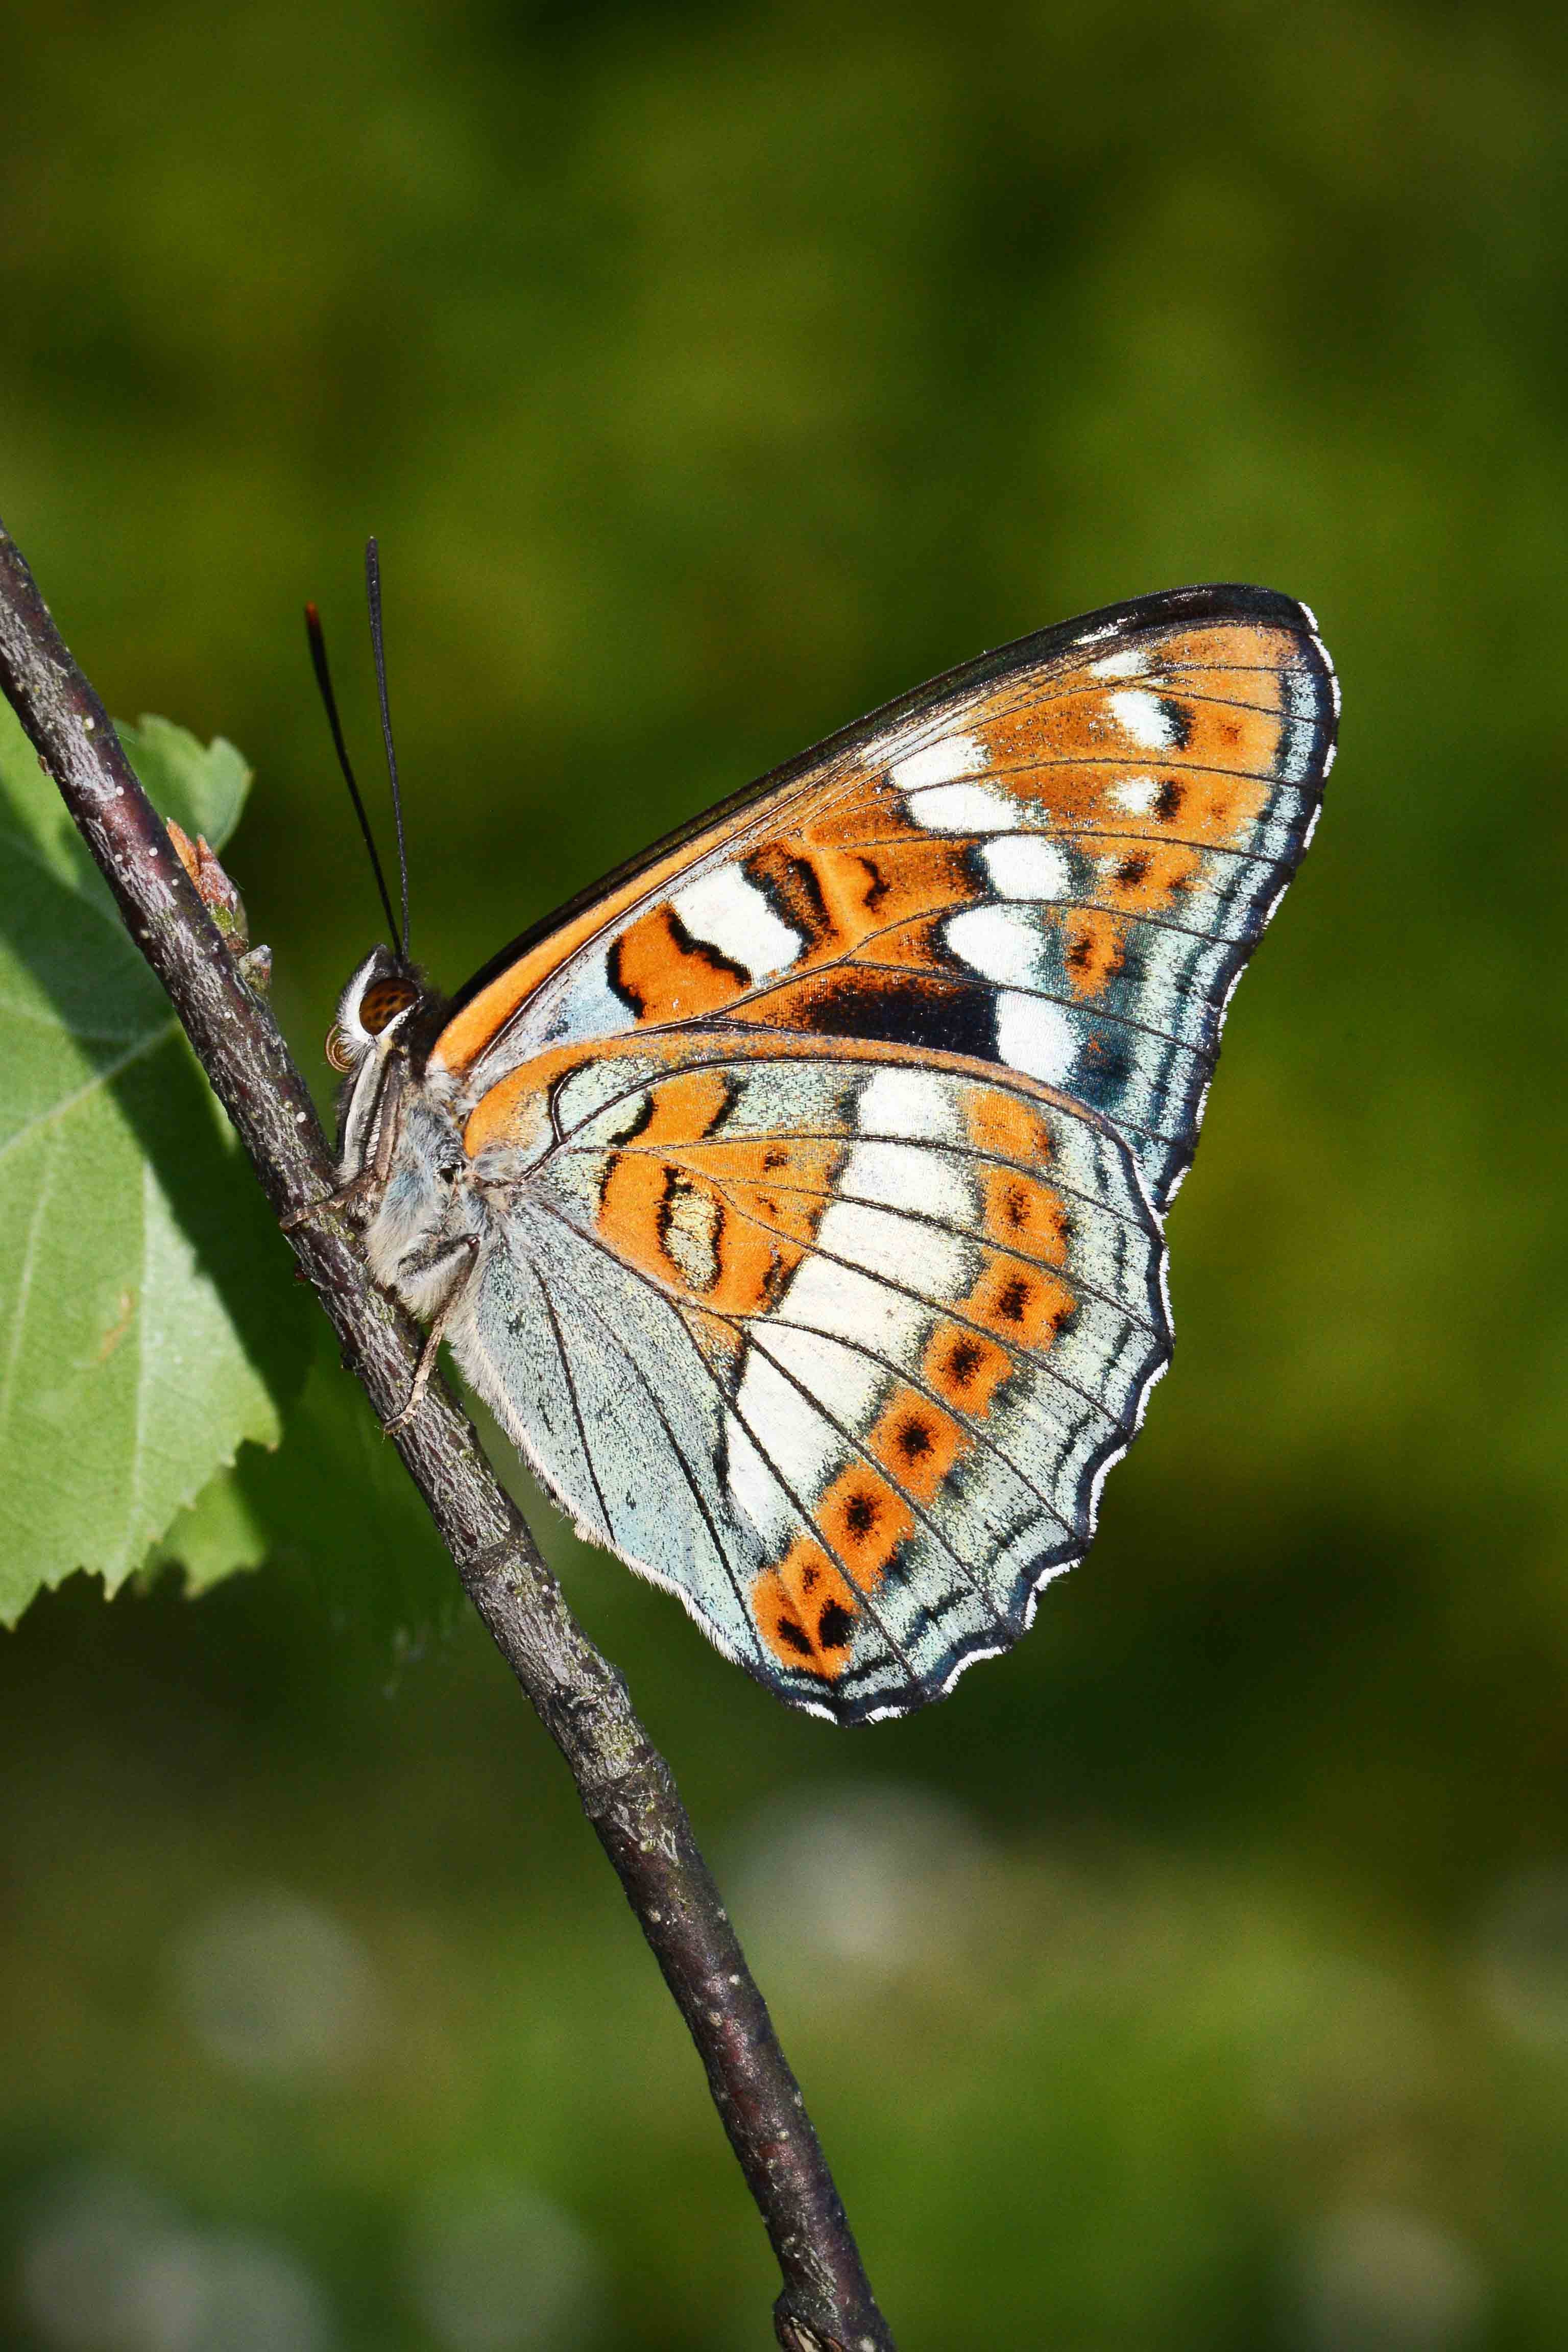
<point x="430" y="1204"/>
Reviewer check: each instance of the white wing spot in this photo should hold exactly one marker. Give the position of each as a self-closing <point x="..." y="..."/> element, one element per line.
<point x="909" y="1103"/>
<point x="755" y="1488"/>
<point x="999" y="942"/>
<point x="846" y="1383"/>
<point x="733" y="916"/>
<point x="854" y="1306"/>
<point x="898" y="1176"/>
<point x="882" y="1244"/>
<point x="1139" y="715"/>
<point x="804" y="1446"/>
<point x="1026" y="867"/>
<point x="1136" y="794"/>
<point x="1132" y="663"/>
<point x="963" y="808"/>
<point x="960" y="755"/>
<point x="1036" y="1037"/>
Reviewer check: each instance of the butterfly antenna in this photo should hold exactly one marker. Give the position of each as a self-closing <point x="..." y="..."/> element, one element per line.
<point x="317" y="635"/>
<point x="373" y="592"/>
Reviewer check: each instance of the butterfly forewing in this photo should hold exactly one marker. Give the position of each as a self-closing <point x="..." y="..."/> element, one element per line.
<point x="1057" y="860"/>
<point x="843" y="1126"/>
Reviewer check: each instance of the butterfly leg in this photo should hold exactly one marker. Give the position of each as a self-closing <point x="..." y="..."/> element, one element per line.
<point x="376" y="1169"/>
<point x="354" y="1190"/>
<point x="432" y="1337"/>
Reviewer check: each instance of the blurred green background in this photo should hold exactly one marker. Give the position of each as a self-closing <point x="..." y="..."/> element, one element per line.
<point x="1197" y="1976"/>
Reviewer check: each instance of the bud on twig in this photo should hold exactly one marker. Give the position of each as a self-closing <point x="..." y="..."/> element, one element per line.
<point x="223" y="903"/>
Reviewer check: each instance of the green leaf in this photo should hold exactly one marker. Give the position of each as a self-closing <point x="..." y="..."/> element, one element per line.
<point x="333" y="1502"/>
<point x="218" y="1535"/>
<point x="201" y="789"/>
<point x="148" y="1326"/>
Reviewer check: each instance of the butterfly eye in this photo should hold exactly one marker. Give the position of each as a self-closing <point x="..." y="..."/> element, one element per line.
<point x="450" y="1173"/>
<point x="338" y="1052"/>
<point x="383" y="1002"/>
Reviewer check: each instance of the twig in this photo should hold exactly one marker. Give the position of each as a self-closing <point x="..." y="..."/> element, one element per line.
<point x="627" y="1789"/>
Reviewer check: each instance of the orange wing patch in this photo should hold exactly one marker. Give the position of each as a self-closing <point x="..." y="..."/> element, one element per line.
<point x="679" y="1228"/>
<point x="805" y="1612"/>
<point x="1148" y="878"/>
<point x="1094" y="947"/>
<point x="1215" y="811"/>
<point x="913" y="947"/>
<point x="917" y="1442"/>
<point x="965" y="1367"/>
<point x="1251" y="657"/>
<point x="859" y="891"/>
<point x="1019" y="1302"/>
<point x="1025" y="1214"/>
<point x="1147" y="789"/>
<point x="1006" y="1127"/>
<point x="663" y="974"/>
<point x="805" y="1606"/>
<point x="768" y="1169"/>
<point x="863" y="1519"/>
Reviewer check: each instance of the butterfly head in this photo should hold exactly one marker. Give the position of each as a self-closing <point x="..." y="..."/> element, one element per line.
<point x="386" y="1016"/>
<point x="373" y="1008"/>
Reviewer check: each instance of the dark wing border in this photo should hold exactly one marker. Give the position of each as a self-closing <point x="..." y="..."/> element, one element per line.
<point x="1224" y="601"/>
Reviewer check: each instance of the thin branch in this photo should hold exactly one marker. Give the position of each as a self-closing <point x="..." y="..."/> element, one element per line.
<point x="627" y="1788"/>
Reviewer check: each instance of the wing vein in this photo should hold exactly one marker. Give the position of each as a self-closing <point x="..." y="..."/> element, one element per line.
<point x="571" y="1380"/>
<point x="618" y="1343"/>
<point x="994" y="1074"/>
<point x="673" y="1156"/>
<point x="732" y="1405"/>
<point x="859" y="1446"/>
<point x="922" y="1388"/>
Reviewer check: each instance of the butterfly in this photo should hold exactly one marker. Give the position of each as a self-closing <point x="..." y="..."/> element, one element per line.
<point x="794" y="1197"/>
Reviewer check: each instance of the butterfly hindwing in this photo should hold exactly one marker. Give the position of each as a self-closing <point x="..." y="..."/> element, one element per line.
<point x="836" y="1342"/>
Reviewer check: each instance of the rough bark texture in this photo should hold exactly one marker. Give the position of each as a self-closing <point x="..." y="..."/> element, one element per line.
<point x="627" y="1788"/>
